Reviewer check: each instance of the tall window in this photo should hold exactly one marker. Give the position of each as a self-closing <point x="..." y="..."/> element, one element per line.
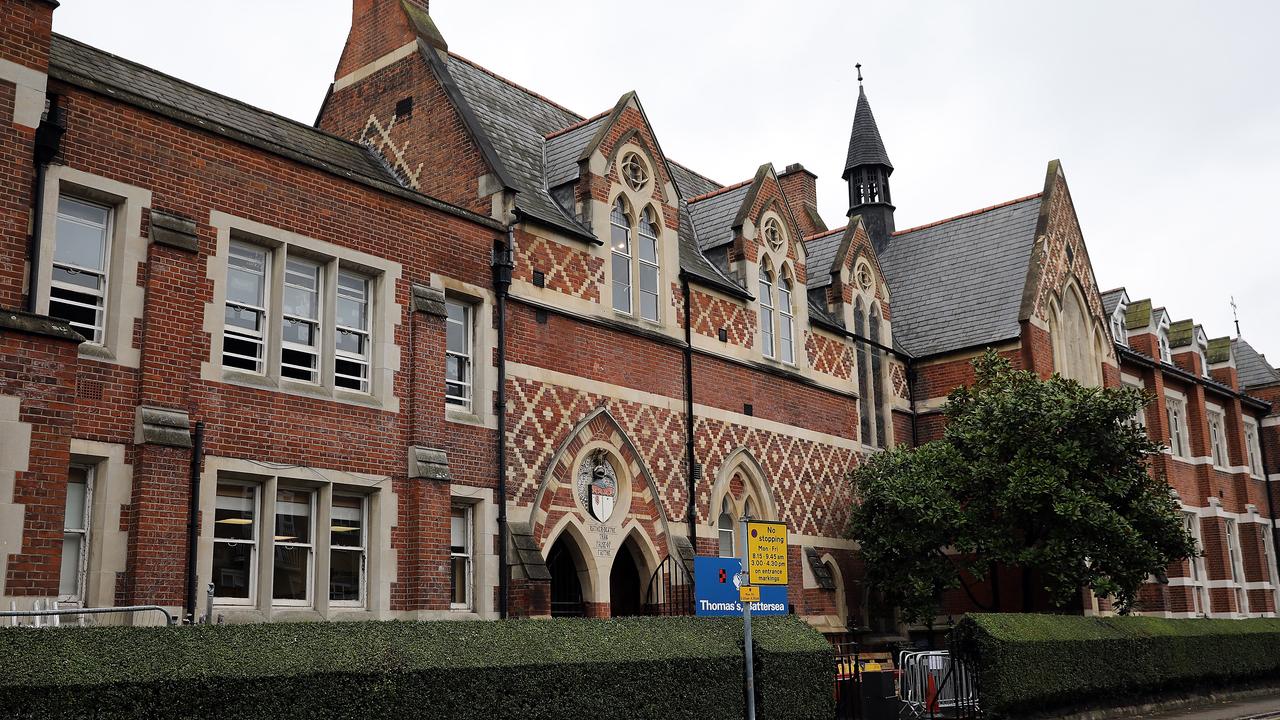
<point x="460" y="557"/>
<point x="766" y="313"/>
<point x="724" y="528"/>
<point x="1237" y="566"/>
<point x="620" y="242"/>
<point x="1166" y="355"/>
<point x="877" y="378"/>
<point x="244" y="339"/>
<point x="1139" y="417"/>
<point x="865" y="401"/>
<point x="235" y="543"/>
<point x="1118" y="328"/>
<point x="1196" y="563"/>
<point x="786" y="321"/>
<point x="1218" y="438"/>
<point x="294" y="545"/>
<point x="351" y="342"/>
<point x="1253" y="447"/>
<point x="78" y="287"/>
<point x="300" y="331"/>
<point x="1176" y="409"/>
<point x="457" y="388"/>
<point x="75" y="534"/>
<point x="648" y="266"/>
<point x="347" y="550"/>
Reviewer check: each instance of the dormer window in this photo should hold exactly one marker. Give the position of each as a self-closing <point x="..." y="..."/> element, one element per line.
<point x="1119" y="332"/>
<point x="1166" y="355"/>
<point x="634" y="171"/>
<point x="644" y="256"/>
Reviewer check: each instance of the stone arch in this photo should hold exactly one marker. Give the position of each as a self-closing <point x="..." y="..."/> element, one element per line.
<point x="741" y="460"/>
<point x="837" y="577"/>
<point x="1073" y="335"/>
<point x="631" y="567"/>
<point x="569" y="532"/>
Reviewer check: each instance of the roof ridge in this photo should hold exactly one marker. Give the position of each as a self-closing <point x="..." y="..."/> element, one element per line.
<point x="722" y="190"/>
<point x="819" y="236"/>
<point x="513" y="84"/>
<point x="688" y="169"/>
<point x="971" y="213"/>
<point x="204" y="89"/>
<point x="575" y="126"/>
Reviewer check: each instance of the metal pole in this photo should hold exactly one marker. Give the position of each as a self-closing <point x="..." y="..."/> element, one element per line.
<point x="750" y="680"/>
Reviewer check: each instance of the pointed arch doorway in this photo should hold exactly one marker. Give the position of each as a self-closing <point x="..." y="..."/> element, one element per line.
<point x="565" y="567"/>
<point x="625" y="582"/>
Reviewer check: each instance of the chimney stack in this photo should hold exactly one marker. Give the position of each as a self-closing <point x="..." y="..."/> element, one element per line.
<point x="801" y="188"/>
<point x="381" y="27"/>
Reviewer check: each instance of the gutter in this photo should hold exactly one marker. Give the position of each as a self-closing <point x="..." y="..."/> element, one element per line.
<point x="193" y="513"/>
<point x="1208" y="383"/>
<point x="694" y="470"/>
<point x="502" y="267"/>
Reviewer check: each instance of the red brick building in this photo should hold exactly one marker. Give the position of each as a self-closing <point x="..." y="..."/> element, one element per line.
<point x="300" y="364"/>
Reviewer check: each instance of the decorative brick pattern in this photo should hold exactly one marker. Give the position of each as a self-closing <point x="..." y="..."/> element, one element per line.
<point x="572" y="271"/>
<point x="826" y="355"/>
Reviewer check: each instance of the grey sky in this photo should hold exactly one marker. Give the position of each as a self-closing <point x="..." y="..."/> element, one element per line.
<point x="1163" y="113"/>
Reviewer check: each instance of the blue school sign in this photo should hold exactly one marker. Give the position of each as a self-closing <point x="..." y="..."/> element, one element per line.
<point x="716" y="592"/>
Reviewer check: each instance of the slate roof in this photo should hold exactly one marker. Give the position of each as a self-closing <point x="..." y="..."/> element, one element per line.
<point x="713" y="216"/>
<point x="689" y="183"/>
<point x="959" y="283"/>
<point x="1252" y="367"/>
<point x="865" y="145"/>
<point x="564" y="149"/>
<point x="1111" y="300"/>
<point x="820" y="253"/>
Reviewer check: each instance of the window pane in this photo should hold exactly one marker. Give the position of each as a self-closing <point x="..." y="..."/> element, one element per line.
<point x="289" y="574"/>
<point x="77" y="488"/>
<point x="456" y="329"/>
<point x="302" y="288"/>
<point x="88" y="280"/>
<point x="648" y="306"/>
<point x="458" y="570"/>
<point x="244" y="319"/>
<point x="69" y="577"/>
<point x="649" y="278"/>
<point x="232" y="569"/>
<point x="648" y="248"/>
<point x="302" y="333"/>
<point x="345" y="575"/>
<point x="81" y="235"/>
<point x="346" y="522"/>
<point x="458" y="531"/>
<point x="234" y="511"/>
<point x="83" y="211"/>
<point x="293" y="517"/>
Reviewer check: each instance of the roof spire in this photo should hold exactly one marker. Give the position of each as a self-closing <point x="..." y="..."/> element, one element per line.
<point x="859" y="68"/>
<point x="1235" y="314"/>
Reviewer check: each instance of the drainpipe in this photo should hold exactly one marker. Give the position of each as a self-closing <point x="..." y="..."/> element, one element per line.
<point x="695" y="472"/>
<point x="502" y="266"/>
<point x="193" y="514"/>
<point x="911" y="400"/>
<point x="48" y="144"/>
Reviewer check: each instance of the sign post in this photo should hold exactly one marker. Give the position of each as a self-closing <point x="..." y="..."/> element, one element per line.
<point x="746" y="631"/>
<point x="765" y="544"/>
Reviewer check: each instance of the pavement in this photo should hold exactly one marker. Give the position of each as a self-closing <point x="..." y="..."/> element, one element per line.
<point x="1253" y="709"/>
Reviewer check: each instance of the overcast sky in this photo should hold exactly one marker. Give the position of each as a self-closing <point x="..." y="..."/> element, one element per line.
<point x="1164" y="113"/>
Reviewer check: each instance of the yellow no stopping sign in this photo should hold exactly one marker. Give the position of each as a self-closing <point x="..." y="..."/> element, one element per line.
<point x="767" y="553"/>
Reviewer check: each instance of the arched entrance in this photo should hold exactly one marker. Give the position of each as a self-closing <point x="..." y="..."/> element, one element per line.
<point x="625" y="582"/>
<point x="566" y="585"/>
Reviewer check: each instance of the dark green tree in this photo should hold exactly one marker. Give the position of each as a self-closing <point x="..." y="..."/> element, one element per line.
<point x="1046" y="476"/>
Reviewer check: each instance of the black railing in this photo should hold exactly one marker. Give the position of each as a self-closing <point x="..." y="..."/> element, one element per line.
<point x="670" y="590"/>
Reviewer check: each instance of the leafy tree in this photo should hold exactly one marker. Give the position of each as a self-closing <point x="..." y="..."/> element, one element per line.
<point x="1047" y="476"/>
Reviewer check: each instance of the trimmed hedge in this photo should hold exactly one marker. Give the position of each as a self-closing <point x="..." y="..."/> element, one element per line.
<point x="525" y="669"/>
<point x="1032" y="663"/>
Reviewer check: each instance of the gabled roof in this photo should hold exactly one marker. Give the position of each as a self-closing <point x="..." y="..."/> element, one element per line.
<point x="79" y="64"/>
<point x="713" y="214"/>
<point x="1111" y="300"/>
<point x="865" y="145"/>
<point x="959" y="283"/>
<point x="1252" y="367"/>
<point x="563" y="148"/>
<point x="820" y="255"/>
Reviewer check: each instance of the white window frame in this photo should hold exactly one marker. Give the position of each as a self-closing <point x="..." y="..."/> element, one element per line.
<point x="1235" y="561"/>
<point x="264" y="323"/>
<point x="1118" y="327"/>
<point x="82" y="531"/>
<point x="309" y="545"/>
<point x="1199" y="602"/>
<point x="468" y="552"/>
<point x="317" y="323"/>
<point x="254" y="543"/>
<point x="786" y="320"/>
<point x="647" y="219"/>
<point x="1217" y="421"/>
<point x="361" y="547"/>
<point x="1253" y="448"/>
<point x="465" y="357"/>
<point x="726" y="533"/>
<point x="98" y="331"/>
<point x="1162" y="339"/>
<point x="768" y="343"/>
<point x="620" y="219"/>
<point x="362" y="360"/>
<point x="1176" y="415"/>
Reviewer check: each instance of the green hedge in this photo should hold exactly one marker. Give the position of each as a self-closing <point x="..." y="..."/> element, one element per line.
<point x="525" y="669"/>
<point x="1029" y="663"/>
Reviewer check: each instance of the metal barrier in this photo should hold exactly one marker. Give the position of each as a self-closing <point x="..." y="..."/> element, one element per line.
<point x="935" y="685"/>
<point x="51" y="614"/>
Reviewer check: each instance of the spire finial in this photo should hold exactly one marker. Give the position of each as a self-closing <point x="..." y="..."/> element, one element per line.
<point x="1235" y="315"/>
<point x="859" y="68"/>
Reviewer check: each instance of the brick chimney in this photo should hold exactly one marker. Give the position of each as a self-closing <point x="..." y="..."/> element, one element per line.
<point x="801" y="189"/>
<point x="380" y="27"/>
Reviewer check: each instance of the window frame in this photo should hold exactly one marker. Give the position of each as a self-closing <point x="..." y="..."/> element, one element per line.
<point x="254" y="543"/>
<point x="317" y="348"/>
<point x="726" y="510"/>
<point x="361" y="549"/>
<point x="768" y="343"/>
<point x="646" y="219"/>
<point x="1253" y="448"/>
<point x="468" y="553"/>
<point x="620" y="220"/>
<point x="101" y="311"/>
<point x="82" y="559"/>
<point x="310" y="545"/>
<point x="263" y="339"/>
<point x="465" y="403"/>
<point x="1199" y="600"/>
<point x="1235" y="561"/>
<point x="364" y="360"/>
<point x="1219" y="453"/>
<point x="1176" y="417"/>
<point x="786" y="320"/>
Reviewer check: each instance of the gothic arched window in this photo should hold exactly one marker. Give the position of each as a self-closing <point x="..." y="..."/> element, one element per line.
<point x="786" y="321"/>
<point x="766" y="313"/>
<point x="877" y="380"/>
<point x="724" y="526"/>
<point x="620" y="241"/>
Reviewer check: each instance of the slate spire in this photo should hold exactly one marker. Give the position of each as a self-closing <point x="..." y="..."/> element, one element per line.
<point x="867" y="170"/>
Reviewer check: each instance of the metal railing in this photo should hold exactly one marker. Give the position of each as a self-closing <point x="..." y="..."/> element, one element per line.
<point x="51" y="614"/>
<point x="935" y="685"/>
